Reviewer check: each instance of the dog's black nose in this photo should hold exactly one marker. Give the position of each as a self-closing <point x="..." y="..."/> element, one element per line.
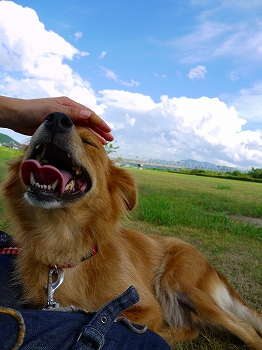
<point x="58" y="122"/>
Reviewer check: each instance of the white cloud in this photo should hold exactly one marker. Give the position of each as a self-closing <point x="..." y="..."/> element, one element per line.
<point x="159" y="75"/>
<point x="32" y="61"/>
<point x="131" y="83"/>
<point x="102" y="55"/>
<point x="130" y="121"/>
<point x="181" y="128"/>
<point x="37" y="58"/>
<point x="127" y="100"/>
<point x="83" y="54"/>
<point x="25" y="44"/>
<point x="243" y="41"/>
<point x="199" y="72"/>
<point x="232" y="76"/>
<point x="198" y="45"/>
<point x="108" y="73"/>
<point x="211" y="39"/>
<point x="248" y="103"/>
<point x="78" y="35"/>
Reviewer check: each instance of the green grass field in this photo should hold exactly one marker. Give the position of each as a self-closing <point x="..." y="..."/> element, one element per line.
<point x="171" y="199"/>
<point x="216" y="216"/>
<point x="6" y="154"/>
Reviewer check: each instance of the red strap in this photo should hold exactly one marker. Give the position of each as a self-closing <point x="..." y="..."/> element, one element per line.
<point x="13" y="251"/>
<point x="10" y="251"/>
<point x="94" y="252"/>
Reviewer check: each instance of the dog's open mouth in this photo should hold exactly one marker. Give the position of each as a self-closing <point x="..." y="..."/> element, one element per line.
<point x="51" y="172"/>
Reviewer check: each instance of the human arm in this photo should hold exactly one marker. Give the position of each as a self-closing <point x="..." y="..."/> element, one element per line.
<point x="24" y="116"/>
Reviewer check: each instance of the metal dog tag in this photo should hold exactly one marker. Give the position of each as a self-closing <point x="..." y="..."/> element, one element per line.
<point x="52" y="286"/>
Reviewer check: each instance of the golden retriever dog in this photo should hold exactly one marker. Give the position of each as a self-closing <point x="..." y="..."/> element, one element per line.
<point x="65" y="199"/>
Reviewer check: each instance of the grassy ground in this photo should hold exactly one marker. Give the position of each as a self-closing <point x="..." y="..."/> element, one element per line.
<point x="5" y="155"/>
<point x="199" y="210"/>
<point x="199" y="202"/>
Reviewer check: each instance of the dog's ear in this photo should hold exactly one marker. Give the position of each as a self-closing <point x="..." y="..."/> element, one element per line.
<point x="123" y="185"/>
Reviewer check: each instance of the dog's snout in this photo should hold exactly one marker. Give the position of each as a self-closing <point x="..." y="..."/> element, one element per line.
<point x="58" y="122"/>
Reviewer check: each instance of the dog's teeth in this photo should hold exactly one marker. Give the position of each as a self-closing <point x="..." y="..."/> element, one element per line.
<point x="43" y="153"/>
<point x="38" y="158"/>
<point x="68" y="155"/>
<point x="70" y="186"/>
<point x="37" y="146"/>
<point x="42" y="187"/>
<point x="32" y="179"/>
<point x="55" y="184"/>
<point x="78" y="170"/>
<point x="44" y="161"/>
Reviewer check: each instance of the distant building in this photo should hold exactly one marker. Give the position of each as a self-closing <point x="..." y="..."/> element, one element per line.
<point x="12" y="145"/>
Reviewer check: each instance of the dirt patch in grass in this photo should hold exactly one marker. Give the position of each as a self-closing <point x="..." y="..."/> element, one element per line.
<point x="247" y="220"/>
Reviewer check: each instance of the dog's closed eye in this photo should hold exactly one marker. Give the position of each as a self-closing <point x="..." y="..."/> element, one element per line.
<point x="89" y="143"/>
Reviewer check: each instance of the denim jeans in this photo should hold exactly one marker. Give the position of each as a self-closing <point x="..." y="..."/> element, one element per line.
<point x="62" y="330"/>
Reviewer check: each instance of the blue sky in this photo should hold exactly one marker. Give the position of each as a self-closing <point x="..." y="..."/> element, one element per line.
<point x="175" y="79"/>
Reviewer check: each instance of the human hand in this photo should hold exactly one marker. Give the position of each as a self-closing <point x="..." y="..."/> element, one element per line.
<point x="24" y="116"/>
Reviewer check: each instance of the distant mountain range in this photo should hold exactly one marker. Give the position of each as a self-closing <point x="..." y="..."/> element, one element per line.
<point x="7" y="139"/>
<point x="193" y="161"/>
<point x="186" y="163"/>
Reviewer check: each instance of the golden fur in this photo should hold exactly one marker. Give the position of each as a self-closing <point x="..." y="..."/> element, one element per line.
<point x="179" y="290"/>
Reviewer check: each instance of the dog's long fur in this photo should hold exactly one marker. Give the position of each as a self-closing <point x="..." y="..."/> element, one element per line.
<point x="180" y="291"/>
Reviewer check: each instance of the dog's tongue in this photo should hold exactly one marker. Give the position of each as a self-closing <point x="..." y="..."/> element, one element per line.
<point x="44" y="175"/>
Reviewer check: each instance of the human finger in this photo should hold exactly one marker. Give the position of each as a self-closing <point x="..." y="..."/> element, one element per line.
<point x="85" y="117"/>
<point x="100" y="138"/>
<point x="77" y="111"/>
<point x="107" y="136"/>
<point x="84" y="114"/>
<point x="95" y="120"/>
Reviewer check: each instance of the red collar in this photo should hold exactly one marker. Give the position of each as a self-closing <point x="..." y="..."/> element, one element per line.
<point x="13" y="251"/>
<point x="94" y="251"/>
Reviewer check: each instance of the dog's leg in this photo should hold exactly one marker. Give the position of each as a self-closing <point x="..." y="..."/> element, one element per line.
<point x="229" y="301"/>
<point x="177" y="335"/>
<point x="192" y="311"/>
<point x="228" y="313"/>
<point x="178" y="323"/>
<point x="192" y="293"/>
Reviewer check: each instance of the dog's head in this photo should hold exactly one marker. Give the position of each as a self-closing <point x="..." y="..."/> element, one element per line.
<point x="64" y="164"/>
